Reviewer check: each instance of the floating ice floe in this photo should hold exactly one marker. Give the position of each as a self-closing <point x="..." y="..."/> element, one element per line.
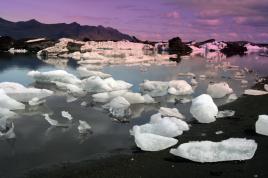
<point x="23" y="94"/>
<point x="9" y="103"/>
<point x="36" y="101"/>
<point x="171" y="112"/>
<point x="244" y="82"/>
<point x="219" y="90"/>
<point x="219" y="132"/>
<point x="187" y="74"/>
<point x="66" y="115"/>
<point x="225" y="113"/>
<point x="13" y="50"/>
<point x="232" y="97"/>
<point x="179" y="87"/>
<point x="202" y="77"/>
<point x="262" y="125"/>
<point x="255" y="92"/>
<point x="97" y="85"/>
<point x="5" y="116"/>
<point x="54" y="76"/>
<point x="154" y="88"/>
<point x="83" y="127"/>
<point x="69" y="88"/>
<point x="227" y="150"/>
<point x="118" y="107"/>
<point x="152" y="142"/>
<point x="53" y="122"/>
<point x="182" y="125"/>
<point x="84" y="72"/>
<point x="36" y="40"/>
<point x="204" y="109"/>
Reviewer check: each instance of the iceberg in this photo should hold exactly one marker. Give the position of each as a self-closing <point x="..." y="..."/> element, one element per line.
<point x="84" y="72"/>
<point x="154" y="88"/>
<point x="70" y="88"/>
<point x="262" y="125"/>
<point x="219" y="90"/>
<point x="54" y="76"/>
<point x="255" y="92"/>
<point x="118" y="107"/>
<point x="83" y="127"/>
<point x="66" y="115"/>
<point x="9" y="103"/>
<point x="97" y="85"/>
<point x="227" y="150"/>
<point x="23" y="94"/>
<point x="179" y="87"/>
<point x="204" y="109"/>
<point x="171" y="112"/>
<point x="152" y="142"/>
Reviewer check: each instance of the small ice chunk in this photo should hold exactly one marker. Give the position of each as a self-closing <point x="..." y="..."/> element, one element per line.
<point x="262" y="125"/>
<point x="67" y="115"/>
<point x="83" y="127"/>
<point x="266" y="87"/>
<point x="70" y="88"/>
<point x="84" y="104"/>
<point x="171" y="112"/>
<point x="185" y="100"/>
<point x="179" y="87"/>
<point x="70" y="98"/>
<point x="219" y="90"/>
<point x="188" y="74"/>
<point x="36" y="101"/>
<point x="255" y="92"/>
<point x="6" y="113"/>
<point x="10" y="134"/>
<point x="51" y="121"/>
<point x="227" y="150"/>
<point x="219" y="132"/>
<point x="204" y="109"/>
<point x="202" y="77"/>
<point x="225" y="113"/>
<point x="152" y="142"/>
<point x="182" y="125"/>
<point x="194" y="82"/>
<point x="118" y="107"/>
<point x="232" y="97"/>
<point x="9" y="103"/>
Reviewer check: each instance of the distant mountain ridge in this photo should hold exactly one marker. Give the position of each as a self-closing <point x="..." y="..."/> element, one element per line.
<point x="34" y="29"/>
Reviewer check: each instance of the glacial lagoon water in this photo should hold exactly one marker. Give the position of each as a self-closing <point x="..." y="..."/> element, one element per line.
<point x="37" y="144"/>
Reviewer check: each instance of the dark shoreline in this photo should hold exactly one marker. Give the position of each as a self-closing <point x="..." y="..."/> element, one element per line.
<point x="163" y="164"/>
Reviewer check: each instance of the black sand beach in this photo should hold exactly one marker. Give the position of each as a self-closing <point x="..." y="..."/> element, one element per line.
<point x="163" y="164"/>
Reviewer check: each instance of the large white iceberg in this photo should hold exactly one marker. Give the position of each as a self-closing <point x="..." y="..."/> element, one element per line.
<point x="54" y="76"/>
<point x="226" y="150"/>
<point x="118" y="107"/>
<point x="262" y="125"/>
<point x="23" y="94"/>
<point x="9" y="103"/>
<point x="152" y="142"/>
<point x="204" y="109"/>
<point x="219" y="90"/>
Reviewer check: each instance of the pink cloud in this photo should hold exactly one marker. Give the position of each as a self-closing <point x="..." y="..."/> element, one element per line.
<point x="173" y="15"/>
<point x="209" y="22"/>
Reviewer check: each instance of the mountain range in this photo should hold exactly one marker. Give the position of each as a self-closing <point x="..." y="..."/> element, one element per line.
<point x="35" y="29"/>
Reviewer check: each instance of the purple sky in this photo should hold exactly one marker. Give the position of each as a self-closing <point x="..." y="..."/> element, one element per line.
<point x="153" y="19"/>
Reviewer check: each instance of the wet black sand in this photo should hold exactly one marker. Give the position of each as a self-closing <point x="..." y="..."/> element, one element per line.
<point x="163" y="164"/>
